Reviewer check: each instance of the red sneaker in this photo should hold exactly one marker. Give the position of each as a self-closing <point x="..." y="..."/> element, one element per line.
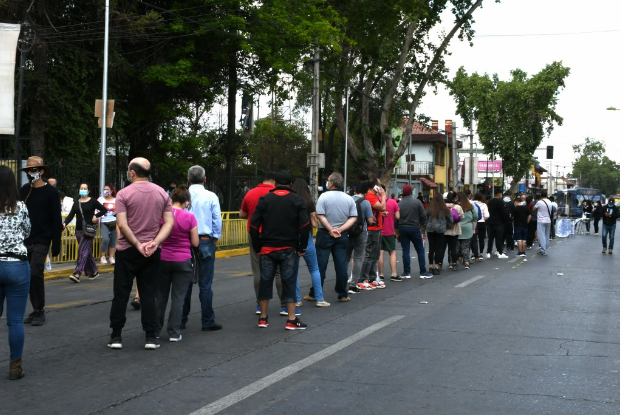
<point x="262" y="322"/>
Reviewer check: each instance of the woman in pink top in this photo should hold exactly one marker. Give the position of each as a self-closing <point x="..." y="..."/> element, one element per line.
<point x="175" y="267"/>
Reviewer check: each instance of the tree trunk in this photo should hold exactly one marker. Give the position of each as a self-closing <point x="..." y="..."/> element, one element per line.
<point x="39" y="104"/>
<point x="231" y="128"/>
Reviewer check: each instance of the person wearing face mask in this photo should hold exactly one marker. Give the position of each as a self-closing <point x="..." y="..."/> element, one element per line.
<point x="610" y="215"/>
<point x="44" y="208"/>
<point x="84" y="211"/>
<point x="108" y="224"/>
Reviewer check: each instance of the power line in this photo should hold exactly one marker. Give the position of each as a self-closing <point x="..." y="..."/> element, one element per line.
<point x="546" y="34"/>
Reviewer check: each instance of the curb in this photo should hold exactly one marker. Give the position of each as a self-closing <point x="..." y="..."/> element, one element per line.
<point x="65" y="272"/>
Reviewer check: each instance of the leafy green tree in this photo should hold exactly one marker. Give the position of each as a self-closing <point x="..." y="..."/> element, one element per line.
<point x="595" y="170"/>
<point x="513" y="116"/>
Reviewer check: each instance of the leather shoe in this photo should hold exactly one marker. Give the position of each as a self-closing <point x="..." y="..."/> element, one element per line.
<point x="214" y="327"/>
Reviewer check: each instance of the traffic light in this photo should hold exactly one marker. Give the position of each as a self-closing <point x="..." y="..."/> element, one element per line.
<point x="550" y="152"/>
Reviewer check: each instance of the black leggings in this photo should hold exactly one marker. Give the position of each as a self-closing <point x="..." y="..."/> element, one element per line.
<point x="482" y="235"/>
<point x="452" y="241"/>
<point x="436" y="248"/>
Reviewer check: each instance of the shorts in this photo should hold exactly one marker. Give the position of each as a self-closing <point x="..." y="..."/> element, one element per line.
<point x="388" y="243"/>
<point x="521" y="233"/>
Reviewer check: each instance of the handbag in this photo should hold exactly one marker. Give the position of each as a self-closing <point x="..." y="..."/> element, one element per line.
<point x="195" y="259"/>
<point x="111" y="224"/>
<point x="88" y="230"/>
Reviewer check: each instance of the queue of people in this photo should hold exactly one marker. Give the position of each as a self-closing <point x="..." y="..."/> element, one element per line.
<point x="166" y="242"/>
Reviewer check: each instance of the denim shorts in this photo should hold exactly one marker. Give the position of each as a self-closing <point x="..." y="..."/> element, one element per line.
<point x="521" y="233"/>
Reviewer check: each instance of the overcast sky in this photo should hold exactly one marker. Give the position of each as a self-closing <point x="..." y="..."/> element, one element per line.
<point x="529" y="34"/>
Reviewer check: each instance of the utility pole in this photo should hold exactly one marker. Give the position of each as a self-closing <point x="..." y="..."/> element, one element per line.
<point x="346" y="138"/>
<point x="104" y="101"/>
<point x="313" y="162"/>
<point x="471" y="155"/>
<point x="455" y="155"/>
<point x="24" y="47"/>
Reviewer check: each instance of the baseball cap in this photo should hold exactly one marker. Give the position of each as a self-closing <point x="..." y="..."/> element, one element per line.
<point x="283" y="178"/>
<point x="407" y="190"/>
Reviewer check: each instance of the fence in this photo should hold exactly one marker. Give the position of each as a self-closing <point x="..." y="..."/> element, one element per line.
<point x="234" y="233"/>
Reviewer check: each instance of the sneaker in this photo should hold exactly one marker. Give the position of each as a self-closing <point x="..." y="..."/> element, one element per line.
<point x="396" y="279"/>
<point x="436" y="272"/>
<point x="529" y="247"/>
<point x="373" y="285"/>
<point x="115" y="343"/>
<point x="345" y="299"/>
<point x="38" y="319"/>
<point x="480" y="258"/>
<point x="522" y="254"/>
<point x="426" y="275"/>
<point x="103" y="260"/>
<point x="295" y="324"/>
<point x="175" y="339"/>
<point x="136" y="303"/>
<point x="28" y="319"/>
<point x="466" y="266"/>
<point x="284" y="311"/>
<point x="473" y="258"/>
<point x="94" y="276"/>
<point x="454" y="268"/>
<point x="112" y="260"/>
<point x="381" y="277"/>
<point x="213" y="327"/>
<point x="152" y="343"/>
<point x="323" y="304"/>
<point x="502" y="256"/>
<point x="610" y="251"/>
<point x="379" y="284"/>
<point x="257" y="310"/>
<point x="262" y="322"/>
<point x="488" y="255"/>
<point x="603" y="251"/>
<point x="406" y="276"/>
<point x="363" y="286"/>
<point x="310" y="298"/>
<point x="74" y="278"/>
<point x="353" y="289"/>
<point x="298" y="304"/>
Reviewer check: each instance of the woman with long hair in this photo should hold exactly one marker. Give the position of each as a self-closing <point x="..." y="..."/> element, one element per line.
<point x="108" y="224"/>
<point x="481" y="226"/>
<point x="176" y="271"/>
<point x="14" y="266"/>
<point x="84" y="211"/>
<point x="453" y="232"/>
<point x="468" y="226"/>
<point x="439" y="220"/>
<point x="300" y="187"/>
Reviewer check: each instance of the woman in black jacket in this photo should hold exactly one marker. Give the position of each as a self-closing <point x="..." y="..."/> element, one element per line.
<point x="597" y="214"/>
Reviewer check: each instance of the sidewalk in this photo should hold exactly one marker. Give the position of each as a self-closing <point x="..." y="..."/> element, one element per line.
<point x="62" y="270"/>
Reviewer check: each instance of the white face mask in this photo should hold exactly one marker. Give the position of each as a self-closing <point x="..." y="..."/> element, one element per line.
<point x="326" y="186"/>
<point x="106" y="192"/>
<point x="33" y="178"/>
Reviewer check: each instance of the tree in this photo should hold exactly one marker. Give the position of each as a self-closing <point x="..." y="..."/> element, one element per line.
<point x="594" y="169"/>
<point x="513" y="116"/>
<point x="389" y="56"/>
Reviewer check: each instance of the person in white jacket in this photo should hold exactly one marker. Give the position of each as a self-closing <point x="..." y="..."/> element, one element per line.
<point x="481" y="227"/>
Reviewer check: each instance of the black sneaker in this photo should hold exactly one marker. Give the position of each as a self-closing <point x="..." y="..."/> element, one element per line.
<point x="151" y="343"/>
<point x="38" y="319"/>
<point x="381" y="277"/>
<point x="353" y="290"/>
<point x="213" y="327"/>
<point x="436" y="272"/>
<point x="28" y="319"/>
<point x="396" y="279"/>
<point x="115" y="343"/>
<point x="295" y="324"/>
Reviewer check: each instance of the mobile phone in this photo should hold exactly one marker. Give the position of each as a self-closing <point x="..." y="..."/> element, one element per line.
<point x="377" y="188"/>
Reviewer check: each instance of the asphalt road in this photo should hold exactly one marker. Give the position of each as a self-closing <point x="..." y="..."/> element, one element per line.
<point x="505" y="337"/>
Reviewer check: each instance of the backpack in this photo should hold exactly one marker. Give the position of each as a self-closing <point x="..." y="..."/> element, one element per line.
<point x="456" y="217"/>
<point x="357" y="227"/>
<point x="478" y="209"/>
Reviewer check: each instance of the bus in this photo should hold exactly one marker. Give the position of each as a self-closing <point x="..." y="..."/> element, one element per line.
<point x="570" y="200"/>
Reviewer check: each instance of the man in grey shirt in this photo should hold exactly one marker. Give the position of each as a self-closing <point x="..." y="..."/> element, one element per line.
<point x="544" y="212"/>
<point x="412" y="218"/>
<point x="336" y="214"/>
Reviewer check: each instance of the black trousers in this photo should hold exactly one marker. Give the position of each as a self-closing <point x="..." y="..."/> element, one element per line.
<point x="481" y="230"/>
<point x="37" y="254"/>
<point x="131" y="263"/>
<point x="496" y="233"/>
<point x="436" y="248"/>
<point x="531" y="232"/>
<point x="508" y="236"/>
<point x="453" y="249"/>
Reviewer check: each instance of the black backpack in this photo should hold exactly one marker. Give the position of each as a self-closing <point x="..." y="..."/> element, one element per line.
<point x="357" y="227"/>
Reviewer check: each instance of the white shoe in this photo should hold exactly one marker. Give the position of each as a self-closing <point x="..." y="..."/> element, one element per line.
<point x="112" y="260"/>
<point x="488" y="255"/>
<point x="103" y="260"/>
<point x="323" y="304"/>
<point x="175" y="339"/>
<point x="299" y="304"/>
<point x="380" y="284"/>
<point x="502" y="256"/>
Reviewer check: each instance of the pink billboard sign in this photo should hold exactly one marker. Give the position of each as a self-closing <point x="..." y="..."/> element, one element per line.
<point x="491" y="166"/>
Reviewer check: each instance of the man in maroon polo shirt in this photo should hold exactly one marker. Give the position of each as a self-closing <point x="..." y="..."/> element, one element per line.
<point x="246" y="212"/>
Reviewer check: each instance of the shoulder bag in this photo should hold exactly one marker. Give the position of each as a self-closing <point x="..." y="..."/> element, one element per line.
<point x="88" y="230"/>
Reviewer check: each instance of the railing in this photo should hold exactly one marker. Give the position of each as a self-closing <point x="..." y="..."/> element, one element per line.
<point x="234" y="233"/>
<point x="417" y="168"/>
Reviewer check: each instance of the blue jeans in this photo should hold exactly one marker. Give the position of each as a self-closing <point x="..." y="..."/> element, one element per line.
<point x="287" y="261"/>
<point x="605" y="230"/>
<point x="327" y="245"/>
<point x="412" y="235"/>
<point x="208" y="250"/>
<point x="14" y="286"/>
<point x="312" y="265"/>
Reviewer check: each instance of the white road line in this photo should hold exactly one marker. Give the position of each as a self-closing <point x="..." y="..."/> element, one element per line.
<point x="256" y="387"/>
<point x="514" y="260"/>
<point x="467" y="282"/>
